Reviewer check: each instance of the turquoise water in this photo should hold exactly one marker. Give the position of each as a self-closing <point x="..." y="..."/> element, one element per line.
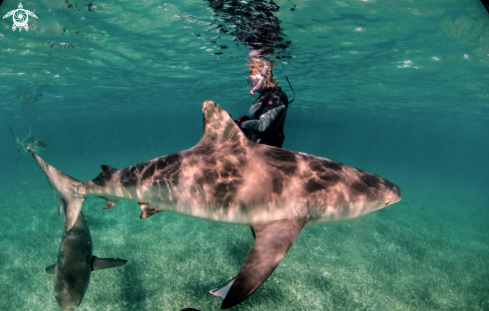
<point x="396" y="88"/>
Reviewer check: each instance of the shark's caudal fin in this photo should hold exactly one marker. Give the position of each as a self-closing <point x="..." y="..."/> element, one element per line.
<point x="219" y="127"/>
<point x="70" y="188"/>
<point x="273" y="240"/>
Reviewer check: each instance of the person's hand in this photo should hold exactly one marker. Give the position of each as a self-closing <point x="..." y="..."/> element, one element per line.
<point x="242" y="119"/>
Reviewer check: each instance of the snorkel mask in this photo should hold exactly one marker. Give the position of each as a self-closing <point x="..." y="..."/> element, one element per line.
<point x="256" y="80"/>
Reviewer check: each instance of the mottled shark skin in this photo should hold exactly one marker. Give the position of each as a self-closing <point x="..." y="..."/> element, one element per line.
<point x="226" y="177"/>
<point x="30" y="141"/>
<point x="75" y="264"/>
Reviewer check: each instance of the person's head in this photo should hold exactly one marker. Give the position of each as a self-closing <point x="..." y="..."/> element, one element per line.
<point x="260" y="75"/>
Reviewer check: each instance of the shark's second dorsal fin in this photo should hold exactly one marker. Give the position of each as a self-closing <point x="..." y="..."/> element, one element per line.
<point x="106" y="169"/>
<point x="219" y="127"/>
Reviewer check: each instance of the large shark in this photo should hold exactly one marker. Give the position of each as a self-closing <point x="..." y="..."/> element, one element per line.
<point x="226" y="177"/>
<point x="30" y="141"/>
<point x="75" y="263"/>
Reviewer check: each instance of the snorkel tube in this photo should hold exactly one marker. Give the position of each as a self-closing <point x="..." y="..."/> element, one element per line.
<point x="260" y="80"/>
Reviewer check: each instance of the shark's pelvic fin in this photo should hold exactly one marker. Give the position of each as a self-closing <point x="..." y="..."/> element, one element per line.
<point x="273" y="240"/>
<point x="51" y="269"/>
<point x="147" y="211"/>
<point x="219" y="127"/>
<point x="70" y="188"/>
<point x="104" y="263"/>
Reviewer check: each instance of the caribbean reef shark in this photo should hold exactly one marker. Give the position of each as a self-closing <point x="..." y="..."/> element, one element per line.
<point x="226" y="177"/>
<point x="76" y="263"/>
<point x="30" y="141"/>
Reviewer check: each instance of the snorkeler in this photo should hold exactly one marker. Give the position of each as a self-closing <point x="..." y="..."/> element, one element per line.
<point x="254" y="24"/>
<point x="265" y="122"/>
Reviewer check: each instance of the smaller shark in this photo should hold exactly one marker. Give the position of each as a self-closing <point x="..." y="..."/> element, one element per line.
<point x="30" y="141"/>
<point x="76" y="263"/>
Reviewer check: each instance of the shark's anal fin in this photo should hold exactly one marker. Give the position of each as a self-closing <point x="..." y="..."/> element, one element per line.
<point x="51" y="269"/>
<point x="104" y="263"/>
<point x="147" y="211"/>
<point x="109" y="204"/>
<point x="273" y="240"/>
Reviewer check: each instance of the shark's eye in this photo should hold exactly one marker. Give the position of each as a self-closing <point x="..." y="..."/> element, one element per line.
<point x="387" y="202"/>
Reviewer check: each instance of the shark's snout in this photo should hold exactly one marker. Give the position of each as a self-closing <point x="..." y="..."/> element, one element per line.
<point x="393" y="196"/>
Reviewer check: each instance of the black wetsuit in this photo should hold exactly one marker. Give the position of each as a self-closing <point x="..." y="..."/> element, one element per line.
<point x="267" y="117"/>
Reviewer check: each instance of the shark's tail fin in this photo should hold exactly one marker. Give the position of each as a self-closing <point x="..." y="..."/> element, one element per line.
<point x="71" y="189"/>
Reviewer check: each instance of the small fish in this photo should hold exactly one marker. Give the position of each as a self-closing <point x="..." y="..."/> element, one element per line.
<point x="30" y="141"/>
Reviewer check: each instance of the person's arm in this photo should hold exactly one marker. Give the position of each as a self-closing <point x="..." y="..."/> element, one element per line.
<point x="253" y="109"/>
<point x="262" y="124"/>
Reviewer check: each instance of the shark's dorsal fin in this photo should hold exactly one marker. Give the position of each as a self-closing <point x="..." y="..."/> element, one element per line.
<point x="219" y="127"/>
<point x="106" y="169"/>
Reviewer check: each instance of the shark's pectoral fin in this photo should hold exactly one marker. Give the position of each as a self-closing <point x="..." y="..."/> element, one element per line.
<point x="147" y="211"/>
<point x="104" y="263"/>
<point x="109" y="204"/>
<point x="51" y="269"/>
<point x="273" y="240"/>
